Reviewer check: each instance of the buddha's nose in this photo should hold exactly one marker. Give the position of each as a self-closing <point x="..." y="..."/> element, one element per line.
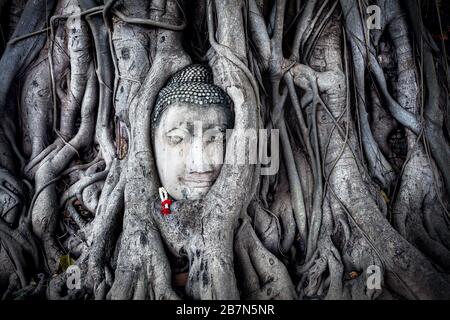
<point x="196" y="159"/>
<point x="195" y="156"/>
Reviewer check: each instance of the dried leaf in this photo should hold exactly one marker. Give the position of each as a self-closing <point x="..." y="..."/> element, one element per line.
<point x="385" y="197"/>
<point x="65" y="262"/>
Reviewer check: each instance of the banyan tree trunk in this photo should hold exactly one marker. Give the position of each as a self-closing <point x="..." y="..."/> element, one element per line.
<point x="354" y="119"/>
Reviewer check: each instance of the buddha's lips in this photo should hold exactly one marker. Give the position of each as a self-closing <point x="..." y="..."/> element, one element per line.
<point x="199" y="181"/>
<point x="201" y="186"/>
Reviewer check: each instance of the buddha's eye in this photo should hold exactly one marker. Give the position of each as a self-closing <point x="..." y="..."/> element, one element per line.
<point x="176" y="136"/>
<point x="174" y="139"/>
<point x="214" y="138"/>
<point x="214" y="135"/>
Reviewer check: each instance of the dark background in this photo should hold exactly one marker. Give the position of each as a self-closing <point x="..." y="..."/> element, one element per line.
<point x="431" y="19"/>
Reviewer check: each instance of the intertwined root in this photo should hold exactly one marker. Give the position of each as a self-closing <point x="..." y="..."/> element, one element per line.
<point x="78" y="180"/>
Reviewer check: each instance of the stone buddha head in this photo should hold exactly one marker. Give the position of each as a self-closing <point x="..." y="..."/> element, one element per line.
<point x="189" y="125"/>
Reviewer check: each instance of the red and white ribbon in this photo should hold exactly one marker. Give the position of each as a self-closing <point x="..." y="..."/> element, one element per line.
<point x="165" y="201"/>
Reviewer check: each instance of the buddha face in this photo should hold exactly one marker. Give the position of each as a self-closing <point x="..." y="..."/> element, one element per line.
<point x="189" y="148"/>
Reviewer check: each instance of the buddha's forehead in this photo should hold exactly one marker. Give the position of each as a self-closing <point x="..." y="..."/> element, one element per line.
<point x="186" y="114"/>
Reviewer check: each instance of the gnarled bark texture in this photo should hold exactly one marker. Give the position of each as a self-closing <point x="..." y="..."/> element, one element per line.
<point x="363" y="180"/>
